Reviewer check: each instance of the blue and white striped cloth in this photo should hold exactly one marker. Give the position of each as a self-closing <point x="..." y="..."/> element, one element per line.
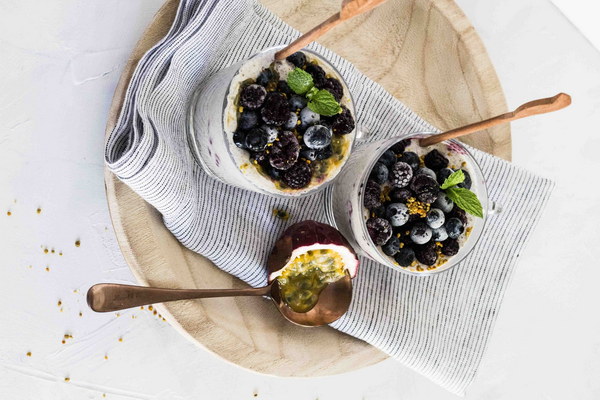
<point x="437" y="325"/>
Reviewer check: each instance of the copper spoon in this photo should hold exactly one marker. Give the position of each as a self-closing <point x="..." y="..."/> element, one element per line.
<point x="350" y="9"/>
<point x="528" y="109"/>
<point x="333" y="302"/>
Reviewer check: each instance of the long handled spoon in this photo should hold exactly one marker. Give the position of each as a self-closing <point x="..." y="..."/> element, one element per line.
<point x="350" y="9"/>
<point x="534" y="107"/>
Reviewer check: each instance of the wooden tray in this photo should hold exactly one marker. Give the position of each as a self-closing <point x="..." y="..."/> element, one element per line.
<point x="425" y="53"/>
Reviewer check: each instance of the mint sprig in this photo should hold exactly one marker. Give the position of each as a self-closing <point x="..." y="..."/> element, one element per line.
<point x="454" y="179"/>
<point x="466" y="200"/>
<point x="319" y="101"/>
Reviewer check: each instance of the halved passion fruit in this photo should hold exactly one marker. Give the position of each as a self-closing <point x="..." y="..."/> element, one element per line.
<point x="309" y="256"/>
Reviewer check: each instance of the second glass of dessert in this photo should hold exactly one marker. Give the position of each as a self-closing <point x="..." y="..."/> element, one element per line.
<point x="417" y="209"/>
<point x="278" y="127"/>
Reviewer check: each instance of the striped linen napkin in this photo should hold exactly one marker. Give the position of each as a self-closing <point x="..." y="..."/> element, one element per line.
<point x="437" y="325"/>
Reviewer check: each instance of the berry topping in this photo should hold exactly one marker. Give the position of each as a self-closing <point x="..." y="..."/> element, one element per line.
<point x="401" y="195"/>
<point x="285" y="151"/>
<point x="275" y="109"/>
<point x="292" y="121"/>
<point x="297" y="102"/>
<point x="467" y="182"/>
<point x="405" y="256"/>
<point x="239" y="138"/>
<point x="298" y="59"/>
<point x="420" y="233"/>
<point x="426" y="254"/>
<point x="443" y="202"/>
<point x="265" y="77"/>
<point x="443" y="174"/>
<point x="271" y="133"/>
<point x="399" y="147"/>
<point x="335" y="88"/>
<point x="439" y="234"/>
<point x="411" y="159"/>
<point x="454" y="227"/>
<point x="435" y="160"/>
<point x="397" y="214"/>
<point x="435" y="218"/>
<point x="317" y="73"/>
<point x="308" y="117"/>
<point x="391" y="247"/>
<point x="253" y="96"/>
<point x="324" y="153"/>
<point x="379" y="173"/>
<point x="256" y="140"/>
<point x="426" y="171"/>
<point x="379" y="230"/>
<point x="248" y="119"/>
<point x="343" y="123"/>
<point x="401" y="174"/>
<point x="450" y="247"/>
<point x="317" y="137"/>
<point x="298" y="176"/>
<point x="388" y="158"/>
<point x="372" y="195"/>
<point x="426" y="188"/>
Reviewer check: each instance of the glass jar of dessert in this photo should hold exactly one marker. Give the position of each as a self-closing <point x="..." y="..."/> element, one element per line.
<point x="282" y="128"/>
<point x="417" y="209"/>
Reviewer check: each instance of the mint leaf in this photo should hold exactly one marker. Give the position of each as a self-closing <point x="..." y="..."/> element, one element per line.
<point x="299" y="81"/>
<point x="454" y="179"/>
<point x="466" y="200"/>
<point x="323" y="102"/>
<point x="311" y="92"/>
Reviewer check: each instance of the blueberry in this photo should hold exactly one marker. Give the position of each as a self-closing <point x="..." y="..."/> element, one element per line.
<point x="399" y="147"/>
<point x="253" y="96"/>
<point x="405" y="256"/>
<point x="324" y="153"/>
<point x="411" y="159"/>
<point x="379" y="173"/>
<point x="308" y="117"/>
<point x="264" y="77"/>
<point x="283" y="87"/>
<point x="467" y="182"/>
<point x="317" y="137"/>
<point x="439" y="234"/>
<point x="443" y="174"/>
<point x="388" y="158"/>
<point x="426" y="171"/>
<point x="309" y="154"/>
<point x="397" y="214"/>
<point x="248" y="119"/>
<point x="274" y="173"/>
<point x="298" y="59"/>
<point x="391" y="247"/>
<point x="292" y="121"/>
<point x="271" y="133"/>
<point x="297" y="102"/>
<point x="435" y="218"/>
<point x="443" y="202"/>
<point x="454" y="227"/>
<point x="420" y="233"/>
<point x="239" y="138"/>
<point x="256" y="140"/>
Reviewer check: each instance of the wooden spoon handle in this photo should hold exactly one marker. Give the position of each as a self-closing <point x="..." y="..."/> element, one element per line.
<point x="528" y="109"/>
<point x="105" y="297"/>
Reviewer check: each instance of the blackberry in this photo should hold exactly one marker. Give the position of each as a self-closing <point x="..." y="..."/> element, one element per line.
<point x="454" y="227"/>
<point x="372" y="195"/>
<point x="253" y="96"/>
<point x="435" y="160"/>
<point x="459" y="213"/>
<point x="343" y="123"/>
<point x="275" y="109"/>
<point x="283" y="87"/>
<point x="265" y="77"/>
<point x="401" y="195"/>
<point x="317" y="137"/>
<point x="317" y="73"/>
<point x="397" y="214"/>
<point x="298" y="176"/>
<point x="247" y="119"/>
<point x="324" y="153"/>
<point x="443" y="174"/>
<point x="285" y="151"/>
<point x="391" y="247"/>
<point x="298" y="59"/>
<point x="379" y="230"/>
<point x="388" y="158"/>
<point x="450" y="247"/>
<point x="335" y="88"/>
<point x="379" y="173"/>
<point x="467" y="182"/>
<point x="399" y="147"/>
<point x="297" y="102"/>
<point x="426" y="253"/>
<point x="426" y="188"/>
<point x="379" y="211"/>
<point x="239" y="138"/>
<point x="420" y="233"/>
<point x="401" y="174"/>
<point x="405" y="256"/>
<point x="256" y="140"/>
<point x="411" y="159"/>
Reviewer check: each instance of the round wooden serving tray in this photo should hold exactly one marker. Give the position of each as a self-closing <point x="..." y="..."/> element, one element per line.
<point x="425" y="53"/>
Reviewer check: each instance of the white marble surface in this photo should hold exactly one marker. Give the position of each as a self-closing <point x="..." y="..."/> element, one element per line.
<point x="60" y="64"/>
